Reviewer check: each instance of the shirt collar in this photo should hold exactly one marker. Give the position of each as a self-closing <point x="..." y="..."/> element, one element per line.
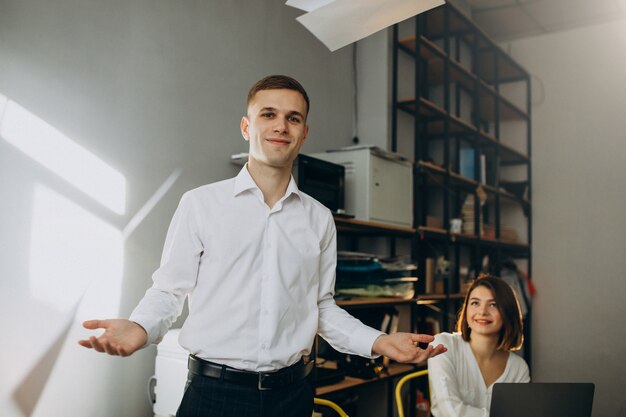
<point x="244" y="182"/>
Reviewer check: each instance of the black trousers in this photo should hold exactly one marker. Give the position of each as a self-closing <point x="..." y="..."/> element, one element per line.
<point x="210" y="397"/>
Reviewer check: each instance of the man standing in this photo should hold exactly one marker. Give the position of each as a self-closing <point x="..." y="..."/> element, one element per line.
<point x="256" y="257"/>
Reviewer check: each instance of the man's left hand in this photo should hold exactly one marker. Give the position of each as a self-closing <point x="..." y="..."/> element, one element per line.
<point x="404" y="347"/>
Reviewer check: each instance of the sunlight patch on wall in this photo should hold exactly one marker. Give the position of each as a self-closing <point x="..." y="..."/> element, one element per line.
<point x="74" y="268"/>
<point x="149" y="205"/>
<point x="67" y="159"/>
<point x="72" y="250"/>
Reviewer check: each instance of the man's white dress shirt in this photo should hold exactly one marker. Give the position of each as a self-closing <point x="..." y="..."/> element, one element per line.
<point x="457" y="387"/>
<point x="260" y="281"/>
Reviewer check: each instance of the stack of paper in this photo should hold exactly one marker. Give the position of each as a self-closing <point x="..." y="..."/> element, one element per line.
<point x="337" y="23"/>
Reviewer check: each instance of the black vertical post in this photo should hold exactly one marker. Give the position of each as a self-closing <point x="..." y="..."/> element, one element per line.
<point x="496" y="117"/>
<point x="419" y="147"/>
<point x="477" y="124"/>
<point x="419" y="200"/>
<point x="527" y="336"/>
<point x="446" y="154"/>
<point x="394" y="91"/>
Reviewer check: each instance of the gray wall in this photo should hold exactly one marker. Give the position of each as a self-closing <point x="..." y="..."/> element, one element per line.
<point x="579" y="186"/>
<point x="374" y="73"/>
<point x="149" y="88"/>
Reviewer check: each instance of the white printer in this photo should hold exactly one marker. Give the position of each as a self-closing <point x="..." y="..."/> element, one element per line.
<point x="378" y="184"/>
<point x="170" y="374"/>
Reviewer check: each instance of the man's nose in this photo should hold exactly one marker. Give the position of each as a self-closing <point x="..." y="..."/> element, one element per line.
<point x="280" y="125"/>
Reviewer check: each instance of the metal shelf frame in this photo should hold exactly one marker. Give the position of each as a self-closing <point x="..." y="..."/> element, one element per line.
<point x="491" y="68"/>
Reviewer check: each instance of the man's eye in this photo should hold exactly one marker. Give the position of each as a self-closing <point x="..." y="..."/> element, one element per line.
<point x="267" y="115"/>
<point x="294" y="119"/>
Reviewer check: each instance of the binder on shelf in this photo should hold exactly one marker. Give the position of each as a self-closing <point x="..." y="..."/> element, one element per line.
<point x="430" y="276"/>
<point x="466" y="164"/>
<point x="440" y="286"/>
<point x="442" y="271"/>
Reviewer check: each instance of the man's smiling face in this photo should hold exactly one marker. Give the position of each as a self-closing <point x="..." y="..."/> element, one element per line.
<point x="275" y="126"/>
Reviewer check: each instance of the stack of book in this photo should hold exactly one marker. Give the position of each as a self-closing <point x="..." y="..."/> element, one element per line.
<point x="468" y="216"/>
<point x="506" y="233"/>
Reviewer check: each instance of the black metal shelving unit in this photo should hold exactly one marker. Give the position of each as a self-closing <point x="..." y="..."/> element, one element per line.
<point x="448" y="53"/>
<point x="355" y="230"/>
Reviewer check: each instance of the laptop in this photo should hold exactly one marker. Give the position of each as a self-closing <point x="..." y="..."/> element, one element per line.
<point x="542" y="399"/>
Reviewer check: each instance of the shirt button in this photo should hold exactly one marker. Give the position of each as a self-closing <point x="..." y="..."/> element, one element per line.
<point x="263" y="346"/>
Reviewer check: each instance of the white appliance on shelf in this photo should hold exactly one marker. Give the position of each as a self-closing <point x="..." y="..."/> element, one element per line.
<point x="379" y="184"/>
<point x="170" y="375"/>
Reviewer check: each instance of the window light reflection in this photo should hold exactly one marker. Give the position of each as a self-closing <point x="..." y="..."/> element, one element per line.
<point x="73" y="254"/>
<point x="70" y="161"/>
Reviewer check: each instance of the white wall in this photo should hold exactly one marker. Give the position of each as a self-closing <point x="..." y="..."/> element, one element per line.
<point x="579" y="201"/>
<point x="146" y="87"/>
<point x="374" y="73"/>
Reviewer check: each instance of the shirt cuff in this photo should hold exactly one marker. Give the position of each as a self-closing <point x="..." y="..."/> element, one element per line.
<point x="151" y="327"/>
<point x="363" y="340"/>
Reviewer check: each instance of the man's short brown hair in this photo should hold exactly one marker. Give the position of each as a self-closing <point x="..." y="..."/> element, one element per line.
<point x="276" y="82"/>
<point x="511" y="334"/>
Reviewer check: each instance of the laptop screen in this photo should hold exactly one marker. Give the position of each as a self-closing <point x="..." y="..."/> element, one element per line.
<point x="542" y="399"/>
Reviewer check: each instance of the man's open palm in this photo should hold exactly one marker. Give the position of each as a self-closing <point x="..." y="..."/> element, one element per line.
<point x="121" y="337"/>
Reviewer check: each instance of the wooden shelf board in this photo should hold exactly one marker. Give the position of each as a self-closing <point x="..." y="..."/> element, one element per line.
<point x="427" y="107"/>
<point x="458" y="73"/>
<point x="373" y="301"/>
<point x="508" y="69"/>
<point x="431" y="296"/>
<point x="394" y="370"/>
<point x="432" y="167"/>
<point x="456" y="178"/>
<point x="435" y="230"/>
<point x="457" y="296"/>
<point x="507" y="154"/>
<point x="428" y="49"/>
<point x="435" y="297"/>
<point x="435" y="57"/>
<point x="361" y="226"/>
<point x="457" y="126"/>
<point x="508" y="110"/>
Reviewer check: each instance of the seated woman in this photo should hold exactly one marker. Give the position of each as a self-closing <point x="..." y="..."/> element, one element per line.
<point x="489" y="327"/>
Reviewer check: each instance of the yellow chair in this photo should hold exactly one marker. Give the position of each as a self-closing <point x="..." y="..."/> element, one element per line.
<point x="327" y="403"/>
<point x="401" y="383"/>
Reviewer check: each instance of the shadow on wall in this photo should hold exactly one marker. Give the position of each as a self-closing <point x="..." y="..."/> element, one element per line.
<point x="75" y="267"/>
<point x="29" y="390"/>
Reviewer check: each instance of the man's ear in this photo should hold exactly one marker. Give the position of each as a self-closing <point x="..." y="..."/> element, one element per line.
<point x="306" y="133"/>
<point x="244" y="124"/>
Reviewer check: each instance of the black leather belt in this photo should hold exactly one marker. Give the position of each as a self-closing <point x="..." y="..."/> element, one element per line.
<point x="262" y="380"/>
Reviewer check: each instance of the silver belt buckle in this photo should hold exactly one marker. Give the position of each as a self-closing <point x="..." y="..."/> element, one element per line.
<point x="259" y="385"/>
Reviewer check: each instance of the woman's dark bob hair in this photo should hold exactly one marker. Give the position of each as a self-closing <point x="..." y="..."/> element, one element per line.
<point x="511" y="334"/>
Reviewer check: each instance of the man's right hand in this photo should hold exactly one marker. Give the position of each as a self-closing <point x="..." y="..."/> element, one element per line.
<point x="121" y="337"/>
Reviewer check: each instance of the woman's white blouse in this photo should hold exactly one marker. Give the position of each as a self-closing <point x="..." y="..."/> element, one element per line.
<point x="457" y="388"/>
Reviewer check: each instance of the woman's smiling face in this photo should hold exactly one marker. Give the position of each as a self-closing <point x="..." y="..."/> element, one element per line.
<point x="483" y="315"/>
